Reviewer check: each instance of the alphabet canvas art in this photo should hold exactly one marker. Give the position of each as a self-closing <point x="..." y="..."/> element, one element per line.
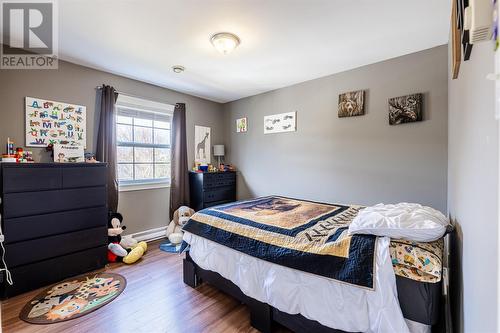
<point x="202" y="145"/>
<point x="50" y="122"/>
<point x="405" y="109"/>
<point x="351" y="104"/>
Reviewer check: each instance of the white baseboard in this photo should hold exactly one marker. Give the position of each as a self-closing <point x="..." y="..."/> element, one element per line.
<point x="149" y="235"/>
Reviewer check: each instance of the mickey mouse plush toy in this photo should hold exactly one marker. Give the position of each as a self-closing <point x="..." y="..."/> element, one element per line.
<point x="117" y="252"/>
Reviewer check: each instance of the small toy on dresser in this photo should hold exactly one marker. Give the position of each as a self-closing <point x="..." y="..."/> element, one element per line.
<point x="19" y="155"/>
<point x="127" y="249"/>
<point x="174" y="229"/>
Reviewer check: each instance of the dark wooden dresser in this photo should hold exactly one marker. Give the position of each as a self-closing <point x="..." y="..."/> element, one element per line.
<point x="54" y="219"/>
<point x="208" y="189"/>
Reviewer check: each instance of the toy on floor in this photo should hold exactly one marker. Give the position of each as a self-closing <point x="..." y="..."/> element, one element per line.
<point x="127" y="249"/>
<point x="174" y="229"/>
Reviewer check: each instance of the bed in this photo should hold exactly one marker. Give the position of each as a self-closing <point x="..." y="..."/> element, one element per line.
<point x="293" y="262"/>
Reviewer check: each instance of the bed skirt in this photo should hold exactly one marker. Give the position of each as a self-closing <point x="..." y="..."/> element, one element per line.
<point x="263" y="316"/>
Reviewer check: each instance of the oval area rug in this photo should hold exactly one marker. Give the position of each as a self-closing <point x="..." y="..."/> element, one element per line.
<point x="73" y="298"/>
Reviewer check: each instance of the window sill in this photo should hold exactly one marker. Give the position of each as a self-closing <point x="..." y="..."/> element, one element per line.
<point x="142" y="187"/>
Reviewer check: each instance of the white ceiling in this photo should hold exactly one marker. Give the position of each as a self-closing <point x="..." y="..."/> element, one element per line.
<point x="282" y="41"/>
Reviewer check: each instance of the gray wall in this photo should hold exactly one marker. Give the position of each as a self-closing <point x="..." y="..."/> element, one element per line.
<point x="350" y="160"/>
<point x="473" y="193"/>
<point x="71" y="83"/>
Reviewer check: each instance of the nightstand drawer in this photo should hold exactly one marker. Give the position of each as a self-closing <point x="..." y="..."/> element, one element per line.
<point x="219" y="179"/>
<point x="210" y="188"/>
<point x="219" y="194"/>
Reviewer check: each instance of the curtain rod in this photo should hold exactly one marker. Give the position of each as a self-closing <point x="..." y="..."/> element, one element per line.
<point x="136" y="96"/>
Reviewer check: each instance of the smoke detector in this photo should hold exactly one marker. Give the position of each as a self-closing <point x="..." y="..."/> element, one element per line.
<point x="178" y="69"/>
<point x="478" y="19"/>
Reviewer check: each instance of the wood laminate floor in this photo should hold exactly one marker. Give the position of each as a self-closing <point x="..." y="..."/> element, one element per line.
<point x="155" y="300"/>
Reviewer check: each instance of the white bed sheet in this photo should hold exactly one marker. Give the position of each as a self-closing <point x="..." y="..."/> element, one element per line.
<point x="332" y="303"/>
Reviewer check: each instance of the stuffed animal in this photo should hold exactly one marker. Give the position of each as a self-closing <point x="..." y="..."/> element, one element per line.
<point x="128" y="242"/>
<point x="117" y="252"/>
<point x="174" y="229"/>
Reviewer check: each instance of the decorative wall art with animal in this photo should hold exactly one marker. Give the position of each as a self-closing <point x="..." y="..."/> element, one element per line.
<point x="278" y="123"/>
<point x="352" y="104"/>
<point x="241" y="125"/>
<point x="405" y="109"/>
<point x="202" y="145"/>
<point x="50" y="122"/>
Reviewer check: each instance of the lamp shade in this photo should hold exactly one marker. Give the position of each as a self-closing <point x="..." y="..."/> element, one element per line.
<point x="218" y="150"/>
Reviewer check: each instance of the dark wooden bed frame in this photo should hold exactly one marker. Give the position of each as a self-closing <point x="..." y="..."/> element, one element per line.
<point x="262" y="315"/>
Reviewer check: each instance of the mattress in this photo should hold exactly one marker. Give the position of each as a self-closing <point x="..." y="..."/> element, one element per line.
<point x="331" y="303"/>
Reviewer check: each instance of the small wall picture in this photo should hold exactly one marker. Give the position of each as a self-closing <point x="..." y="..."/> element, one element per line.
<point x="278" y="123"/>
<point x="352" y="104"/>
<point x="241" y="125"/>
<point x="405" y="109"/>
<point x="202" y="145"/>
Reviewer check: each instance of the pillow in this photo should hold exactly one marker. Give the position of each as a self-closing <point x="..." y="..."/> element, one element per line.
<point x="408" y="221"/>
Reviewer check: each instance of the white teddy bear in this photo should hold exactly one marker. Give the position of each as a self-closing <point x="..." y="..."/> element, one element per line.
<point x="174" y="229"/>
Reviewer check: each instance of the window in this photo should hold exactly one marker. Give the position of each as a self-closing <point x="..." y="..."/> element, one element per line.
<point x="143" y="144"/>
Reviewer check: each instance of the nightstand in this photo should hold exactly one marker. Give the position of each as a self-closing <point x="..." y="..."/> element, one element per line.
<point x="209" y="189"/>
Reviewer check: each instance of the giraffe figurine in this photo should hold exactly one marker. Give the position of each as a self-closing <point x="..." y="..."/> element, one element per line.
<point x="201" y="146"/>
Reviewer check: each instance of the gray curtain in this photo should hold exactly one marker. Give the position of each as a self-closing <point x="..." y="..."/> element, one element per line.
<point x="179" y="186"/>
<point x="106" y="141"/>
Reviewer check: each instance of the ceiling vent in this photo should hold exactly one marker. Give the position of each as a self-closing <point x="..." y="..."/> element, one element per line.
<point x="479" y="20"/>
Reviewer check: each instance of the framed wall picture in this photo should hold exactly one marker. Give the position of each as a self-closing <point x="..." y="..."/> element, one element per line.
<point x="351" y="104"/>
<point x="68" y="154"/>
<point x="241" y="125"/>
<point x="405" y="109"/>
<point x="51" y="122"/>
<point x="460" y="6"/>
<point x="202" y="145"/>
<point x="456" y="51"/>
<point x="279" y="123"/>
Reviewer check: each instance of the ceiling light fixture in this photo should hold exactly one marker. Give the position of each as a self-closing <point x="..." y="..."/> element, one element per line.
<point x="178" y="69"/>
<point x="225" y="42"/>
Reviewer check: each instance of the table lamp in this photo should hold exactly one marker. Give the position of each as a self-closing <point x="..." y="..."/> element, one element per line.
<point x="219" y="151"/>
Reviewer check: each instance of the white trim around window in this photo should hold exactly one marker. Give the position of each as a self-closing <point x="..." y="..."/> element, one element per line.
<point x="142" y="186"/>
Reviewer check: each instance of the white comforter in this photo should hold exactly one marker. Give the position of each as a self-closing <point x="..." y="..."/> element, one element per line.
<point x="329" y="302"/>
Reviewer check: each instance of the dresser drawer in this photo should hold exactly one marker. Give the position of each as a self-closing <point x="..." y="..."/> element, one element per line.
<point x="44" y="273"/>
<point x="30" y="251"/>
<point x="32" y="203"/>
<point x="24" y="228"/>
<point x="219" y="179"/>
<point x="219" y="194"/>
<point x="84" y="176"/>
<point x="23" y="179"/>
<point x="216" y="203"/>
